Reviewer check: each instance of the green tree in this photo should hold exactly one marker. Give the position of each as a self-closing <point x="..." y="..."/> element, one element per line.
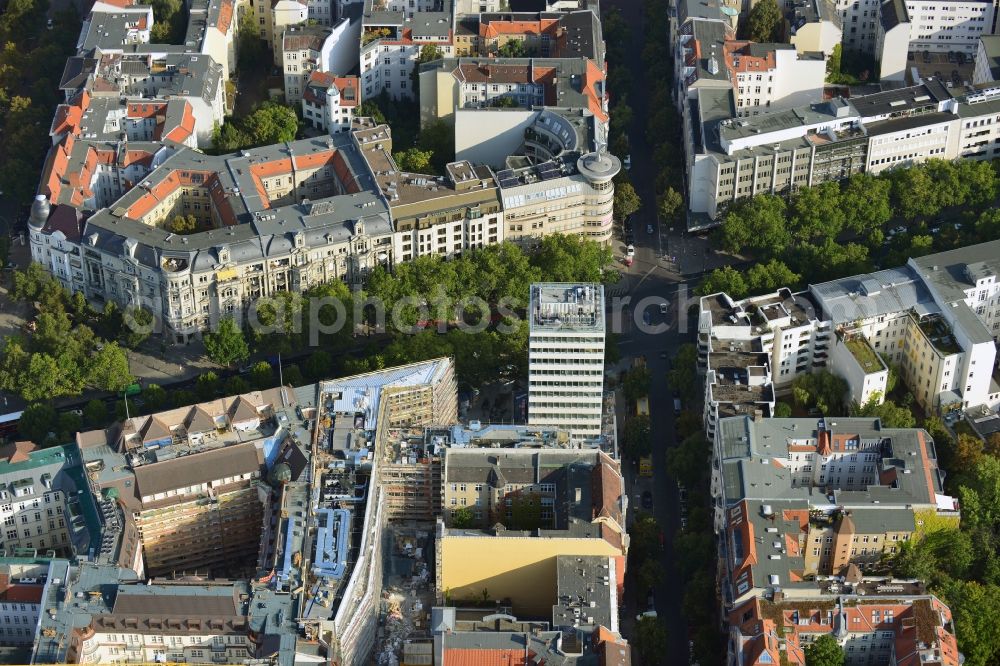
<point x="669" y="204"/>
<point x="566" y="258"/>
<point x="977" y="621"/>
<point x="833" y="64"/>
<point x="207" y="385"/>
<point x="823" y="390"/>
<point x="650" y="640"/>
<point x="38" y="421"/>
<point x="727" y="280"/>
<point x="782" y="410"/>
<point x="236" y="385"/>
<point x="413" y="160"/>
<point x="829" y="260"/>
<point x="262" y="375"/>
<point x="462" y="517"/>
<point x="866" y="202"/>
<point x="758" y="225"/>
<point x="688" y="462"/>
<point x="764" y="22"/>
<point x="817" y="212"/>
<point x="137" y="325"/>
<point x="318" y="366"/>
<point x="95" y="414"/>
<point x="184" y="224"/>
<point x="637" y="438"/>
<point x="438" y="138"/>
<point x="891" y="415"/>
<point x="825" y="651"/>
<point x="762" y="278"/>
<point x="108" y="368"/>
<point x="627" y="201"/>
<point x="512" y="48"/>
<point x="683" y="375"/>
<point x="292" y="375"/>
<point x="988" y="225"/>
<point x="227" y="345"/>
<point x="636" y="384"/>
<point x="650" y="574"/>
<point x="270" y="123"/>
<point x="980" y="501"/>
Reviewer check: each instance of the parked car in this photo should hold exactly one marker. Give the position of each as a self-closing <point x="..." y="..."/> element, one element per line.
<point x="49" y="24"/>
<point x="627" y="161"/>
<point x="649" y="228"/>
<point x="663" y="308"/>
<point x="630" y="250"/>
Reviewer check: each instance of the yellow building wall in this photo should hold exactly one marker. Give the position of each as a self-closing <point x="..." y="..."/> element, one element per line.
<point x="522" y="569"/>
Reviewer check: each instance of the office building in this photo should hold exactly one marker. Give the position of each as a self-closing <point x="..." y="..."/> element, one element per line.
<point x="534" y="506"/>
<point x="566" y="336"/>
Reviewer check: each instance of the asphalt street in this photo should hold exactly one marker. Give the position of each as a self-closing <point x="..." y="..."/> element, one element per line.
<point x="665" y="264"/>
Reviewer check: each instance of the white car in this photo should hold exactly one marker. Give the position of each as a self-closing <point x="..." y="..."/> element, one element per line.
<point x="627" y="161"/>
<point x="630" y="251"/>
<point x="663" y="308"/>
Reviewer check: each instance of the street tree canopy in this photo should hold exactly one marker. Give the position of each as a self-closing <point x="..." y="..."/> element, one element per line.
<point x="227" y="345"/>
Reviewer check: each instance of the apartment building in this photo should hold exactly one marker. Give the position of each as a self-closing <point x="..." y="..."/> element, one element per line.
<point x="566" y="336"/>
<point x="936" y="318"/>
<point x="760" y="76"/>
<point x="22" y="583"/>
<point x="439" y="216"/>
<point x="763" y="75"/>
<point x="321" y="187"/>
<point x="535" y="506"/>
<point x="987" y="61"/>
<point x="393" y="32"/>
<point x="45" y="504"/>
<point x="329" y="102"/>
<point x="814" y="26"/>
<point x="450" y="84"/>
<point x="753" y="349"/>
<point x="893" y="33"/>
<point x="156" y="623"/>
<point x="797" y="498"/>
<point x="584" y="623"/>
<point x="550" y="34"/>
<point x="890" y="629"/>
<point x="188" y="478"/>
<point x="304" y="49"/>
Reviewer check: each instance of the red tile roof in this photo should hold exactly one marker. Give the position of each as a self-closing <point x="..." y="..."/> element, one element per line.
<point x="17" y="452"/>
<point x="481" y="657"/>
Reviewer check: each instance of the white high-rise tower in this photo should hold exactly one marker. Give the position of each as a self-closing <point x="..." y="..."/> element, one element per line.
<point x="566" y="357"/>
